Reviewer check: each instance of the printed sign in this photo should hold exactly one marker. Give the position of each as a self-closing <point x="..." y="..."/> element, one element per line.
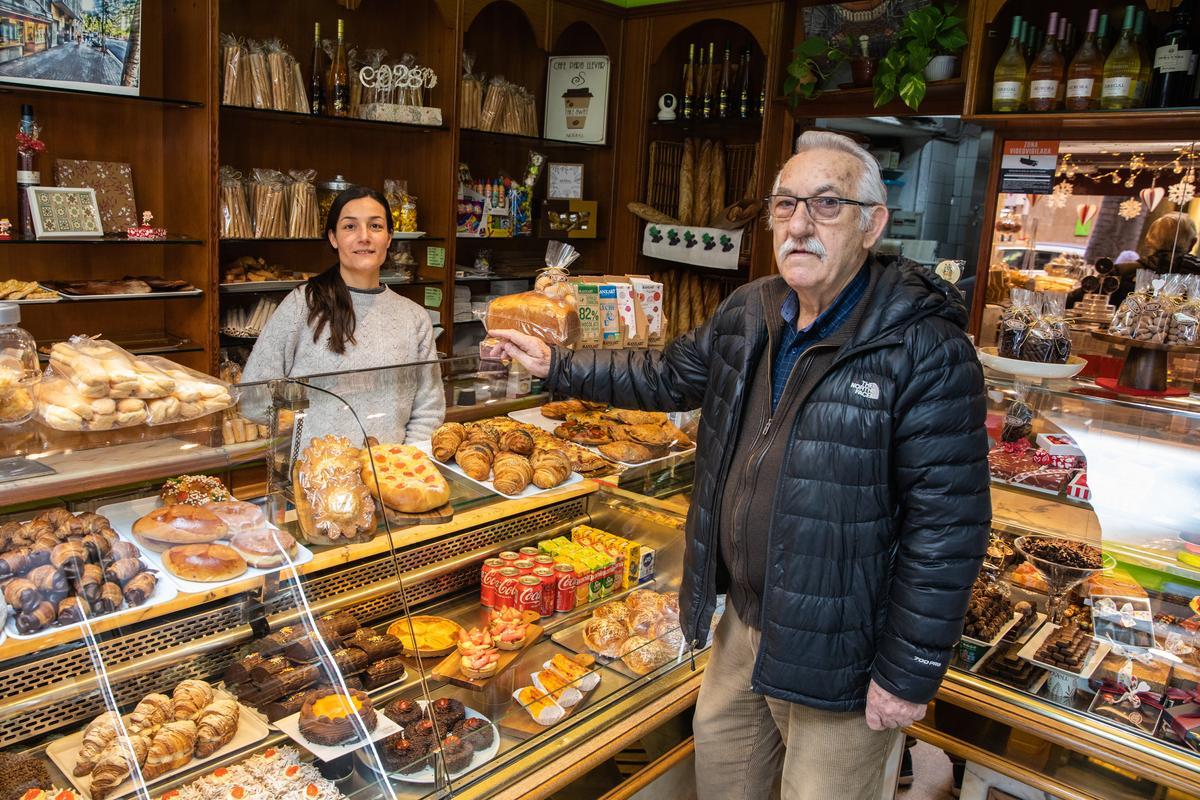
<point x="1028" y="167"/>
<point x="435" y="256"/>
<point x="433" y="297"/>
<point x="577" y="99"/>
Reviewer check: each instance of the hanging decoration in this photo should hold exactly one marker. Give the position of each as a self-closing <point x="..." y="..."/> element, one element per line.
<point x="1058" y="199"/>
<point x="1152" y="196"/>
<point x="1130" y="209"/>
<point x="1085" y="216"/>
<point x="1181" y="193"/>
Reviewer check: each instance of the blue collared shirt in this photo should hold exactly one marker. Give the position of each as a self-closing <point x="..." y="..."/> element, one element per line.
<point x="795" y="342"/>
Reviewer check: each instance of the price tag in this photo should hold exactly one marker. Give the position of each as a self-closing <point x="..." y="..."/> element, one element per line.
<point x="435" y="256"/>
<point x="433" y="297"/>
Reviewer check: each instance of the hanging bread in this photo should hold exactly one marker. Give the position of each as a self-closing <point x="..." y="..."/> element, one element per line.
<point x="716" y="198"/>
<point x="651" y="214"/>
<point x="687" y="170"/>
<point x="703" y="184"/>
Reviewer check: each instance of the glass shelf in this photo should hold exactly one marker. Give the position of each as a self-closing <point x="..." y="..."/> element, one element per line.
<point x="7" y="87"/>
<point x="114" y="239"/>
<point x="295" y="118"/>
<point x="491" y="136"/>
<point x="224" y="240"/>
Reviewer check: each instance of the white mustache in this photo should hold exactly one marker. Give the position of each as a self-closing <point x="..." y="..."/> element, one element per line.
<point x="809" y="244"/>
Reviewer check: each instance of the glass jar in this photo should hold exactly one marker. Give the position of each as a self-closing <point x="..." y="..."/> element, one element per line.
<point x="327" y="192"/>
<point x="19" y="367"/>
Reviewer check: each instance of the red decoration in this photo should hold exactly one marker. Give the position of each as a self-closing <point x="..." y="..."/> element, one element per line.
<point x="29" y="144"/>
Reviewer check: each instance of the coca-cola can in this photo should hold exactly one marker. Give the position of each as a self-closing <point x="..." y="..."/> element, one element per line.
<point x="544" y="561"/>
<point x="564" y="594"/>
<point x="509" y="557"/>
<point x="549" y="589"/>
<point x="529" y="594"/>
<point x="523" y="566"/>
<point x="506" y="587"/>
<point x="530" y="553"/>
<point x="489" y="576"/>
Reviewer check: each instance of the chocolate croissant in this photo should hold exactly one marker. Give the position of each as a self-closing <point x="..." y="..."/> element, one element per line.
<point x="511" y="473"/>
<point x="171" y="748"/>
<point x="550" y="468"/>
<point x="517" y="441"/>
<point x="97" y="736"/>
<point x="39" y="618"/>
<point x="123" y="571"/>
<point x="14" y="562"/>
<point x="122" y="549"/>
<point x="88" y="584"/>
<point x="39" y="551"/>
<point x="476" y="458"/>
<point x="216" y="726"/>
<point x="50" y="582"/>
<point x="72" y="610"/>
<point x="22" y="594"/>
<point x="69" y="557"/>
<point x="140" y="588"/>
<point x="114" y="764"/>
<point x="110" y="598"/>
<point x="152" y="711"/>
<point x="446" y="441"/>
<point x="97" y="546"/>
<point x="190" y="697"/>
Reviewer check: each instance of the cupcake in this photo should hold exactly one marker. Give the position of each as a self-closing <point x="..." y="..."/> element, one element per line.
<point x="456" y="754"/>
<point x="405" y="754"/>
<point x="448" y="712"/>
<point x="475" y="732"/>
<point x="423" y="729"/>
<point x="403" y="712"/>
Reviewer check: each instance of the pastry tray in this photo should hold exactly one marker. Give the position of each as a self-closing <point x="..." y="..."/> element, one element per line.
<point x="533" y="416"/>
<point x="1008" y="626"/>
<point x="426" y="773"/>
<point x="1096" y="654"/>
<point x="530" y="491"/>
<point x="131" y="295"/>
<point x="122" y="516"/>
<point x="62" y="752"/>
<point x="291" y="726"/>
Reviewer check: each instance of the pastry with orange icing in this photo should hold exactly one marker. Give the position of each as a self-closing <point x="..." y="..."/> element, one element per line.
<point x="329" y="717"/>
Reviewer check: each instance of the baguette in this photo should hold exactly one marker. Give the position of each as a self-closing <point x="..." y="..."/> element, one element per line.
<point x="703" y="184"/>
<point x="716" y="195"/>
<point x="687" y="168"/>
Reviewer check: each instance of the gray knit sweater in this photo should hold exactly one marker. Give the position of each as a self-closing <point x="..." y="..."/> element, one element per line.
<point x="394" y="405"/>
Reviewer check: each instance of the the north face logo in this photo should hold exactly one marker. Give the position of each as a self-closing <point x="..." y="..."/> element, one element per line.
<point x="866" y="389"/>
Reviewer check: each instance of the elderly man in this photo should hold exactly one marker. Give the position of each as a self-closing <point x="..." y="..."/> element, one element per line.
<point x="841" y="491"/>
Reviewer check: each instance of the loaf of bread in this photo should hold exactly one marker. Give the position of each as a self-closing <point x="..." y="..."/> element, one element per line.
<point x="553" y="320"/>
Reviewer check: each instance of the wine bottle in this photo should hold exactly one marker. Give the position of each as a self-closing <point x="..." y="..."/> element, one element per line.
<point x="28" y="146"/>
<point x="316" y="88"/>
<point x="689" y="83"/>
<point x="1064" y="51"/>
<point x="1046" y="72"/>
<point x="706" y="103"/>
<point x="1102" y="43"/>
<point x="762" y="98"/>
<point x="744" y="79"/>
<point x="1174" y="63"/>
<point x="1142" y="85"/>
<point x="1025" y="48"/>
<point x="1008" y="80"/>
<point x="725" y="88"/>
<point x="1086" y="70"/>
<point x="1121" y="68"/>
<point x="339" y="77"/>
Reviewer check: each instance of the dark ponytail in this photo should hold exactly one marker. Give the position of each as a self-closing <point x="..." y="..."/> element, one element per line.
<point x="327" y="295"/>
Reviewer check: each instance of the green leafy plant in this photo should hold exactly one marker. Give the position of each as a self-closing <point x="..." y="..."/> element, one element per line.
<point x="813" y="60"/>
<point x="926" y="32"/>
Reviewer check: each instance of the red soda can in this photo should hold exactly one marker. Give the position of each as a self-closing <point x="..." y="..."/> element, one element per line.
<point x="489" y="577"/>
<point x="509" y="557"/>
<point x="506" y="587"/>
<point x="549" y="589"/>
<point x="523" y="566"/>
<point x="529" y="594"/>
<point x="530" y="553"/>
<point x="564" y="595"/>
<point x="544" y="561"/>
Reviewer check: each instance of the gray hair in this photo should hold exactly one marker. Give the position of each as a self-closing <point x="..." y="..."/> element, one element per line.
<point x="870" y="188"/>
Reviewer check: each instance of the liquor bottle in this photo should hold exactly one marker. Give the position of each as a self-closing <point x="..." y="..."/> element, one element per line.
<point x="1046" y="72"/>
<point x="1174" y="66"/>
<point x="1031" y="33"/>
<point x="762" y="98"/>
<point x="689" y="83"/>
<point x="709" y="72"/>
<point x="339" y="77"/>
<point x="1121" y="68"/>
<point x="316" y="86"/>
<point x="1008" y="80"/>
<point x="28" y="146"/>
<point x="725" y="88"/>
<point x="1063" y="51"/>
<point x="1142" y="85"/>
<point x="744" y="98"/>
<point x="1102" y="42"/>
<point x="1025" y="48"/>
<point x="1086" y="71"/>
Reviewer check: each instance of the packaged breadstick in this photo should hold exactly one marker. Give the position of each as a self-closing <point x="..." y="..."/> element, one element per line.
<point x="303" y="222"/>
<point x="268" y="195"/>
<point x="235" y="212"/>
<point x="260" y="81"/>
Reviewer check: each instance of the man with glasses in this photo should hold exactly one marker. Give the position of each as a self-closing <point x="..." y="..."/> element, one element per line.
<point x="841" y="493"/>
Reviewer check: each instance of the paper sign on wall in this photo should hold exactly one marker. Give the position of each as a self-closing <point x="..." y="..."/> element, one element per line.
<point x="1028" y="167"/>
<point x="435" y="256"/>
<point x="577" y="99"/>
<point x="433" y="297"/>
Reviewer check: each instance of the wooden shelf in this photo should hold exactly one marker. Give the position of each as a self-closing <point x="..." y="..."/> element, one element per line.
<point x="470" y="134"/>
<point x="941" y="98"/>
<point x="1150" y="122"/>
<point x="170" y="240"/>
<point x="323" y="239"/>
<point x="709" y="127"/>
<point x="166" y="102"/>
<point x="251" y="115"/>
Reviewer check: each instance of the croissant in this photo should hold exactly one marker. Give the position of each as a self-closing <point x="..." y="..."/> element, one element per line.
<point x="121" y="549"/>
<point x="110" y="598"/>
<point x="14" y="562"/>
<point x="155" y="709"/>
<point x="481" y="430"/>
<point x="69" y="557"/>
<point x="97" y="546"/>
<point x="123" y="571"/>
<point x="190" y="698"/>
<point x="113" y="766"/>
<point x="216" y="726"/>
<point x="446" y="440"/>
<point x="55" y="517"/>
<point x="476" y="458"/>
<point x="91" y="522"/>
<point x="73" y="610"/>
<point x="550" y="468"/>
<point x="512" y="473"/>
<point x="39" y="551"/>
<point x="88" y="584"/>
<point x="517" y="441"/>
<point x="170" y="749"/>
<point x="22" y="594"/>
<point x="97" y="736"/>
<point x="140" y="588"/>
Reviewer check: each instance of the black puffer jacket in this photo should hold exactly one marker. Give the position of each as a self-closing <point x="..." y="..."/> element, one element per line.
<point x="883" y="508"/>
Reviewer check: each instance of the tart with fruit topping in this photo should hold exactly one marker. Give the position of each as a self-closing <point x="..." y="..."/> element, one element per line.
<point x="329" y="717"/>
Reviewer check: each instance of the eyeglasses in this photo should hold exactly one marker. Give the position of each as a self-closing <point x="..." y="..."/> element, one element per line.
<point x="781" y="207"/>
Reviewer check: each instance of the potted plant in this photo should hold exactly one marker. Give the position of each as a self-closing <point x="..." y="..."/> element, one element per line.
<point x="813" y="60"/>
<point x="926" y="49"/>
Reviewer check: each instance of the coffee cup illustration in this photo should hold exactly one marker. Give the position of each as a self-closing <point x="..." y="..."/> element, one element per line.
<point x="576" y="103"/>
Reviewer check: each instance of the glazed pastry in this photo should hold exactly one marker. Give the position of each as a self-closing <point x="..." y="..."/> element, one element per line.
<point x="517" y="441"/>
<point x="446" y="440"/>
<point x="617" y="612"/>
<point x="41" y="617"/>
<point x="540" y="705"/>
<point x="482" y="431"/>
<point x="72" y="610"/>
<point x="377" y="646"/>
<point x="123" y="571"/>
<point x="642" y="655"/>
<point x="641" y="622"/>
<point x="604" y="637"/>
<point x="114" y="764"/>
<point x="171" y="748"/>
<point x="476" y="458"/>
<point x="190" y="697"/>
<point x="668" y="605"/>
<point x="138" y="590"/>
<point x="216" y="725"/>
<point x="265" y="668"/>
<point x="50" y="582"/>
<point x="642" y="597"/>
<point x="91" y="522"/>
<point x="110" y="598"/>
<point x="627" y="452"/>
<point x="22" y="594"/>
<point x="562" y="691"/>
<point x="385" y="671"/>
<point x="551" y="467"/>
<point x="511" y="473"/>
<point x="332" y="502"/>
<point x="154" y="710"/>
<point x="97" y="736"/>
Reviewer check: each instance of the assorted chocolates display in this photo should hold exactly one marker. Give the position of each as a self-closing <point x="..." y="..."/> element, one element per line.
<point x="1163" y="309"/>
<point x="1066" y="648"/>
<point x="988" y="612"/>
<point x="1010" y="668"/>
<point x="1064" y="552"/>
<point x="1034" y="328"/>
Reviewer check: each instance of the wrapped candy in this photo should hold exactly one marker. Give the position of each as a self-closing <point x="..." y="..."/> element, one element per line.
<point x="1048" y="339"/>
<point x="1143" y="313"/>
<point x="1018" y="422"/>
<point x="1015" y="322"/>
<point x="1183" y="326"/>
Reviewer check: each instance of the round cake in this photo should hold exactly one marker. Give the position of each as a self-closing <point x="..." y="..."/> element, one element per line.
<point x="405" y="754"/>
<point x="448" y="712"/>
<point x="403" y="712"/>
<point x="456" y="754"/>
<point x="476" y="732"/>
<point x="326" y="717"/>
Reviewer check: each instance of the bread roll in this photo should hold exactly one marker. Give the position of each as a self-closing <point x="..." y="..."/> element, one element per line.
<point x="264" y="548"/>
<point x="550" y="319"/>
<point x="203" y="562"/>
<point x="180" y="524"/>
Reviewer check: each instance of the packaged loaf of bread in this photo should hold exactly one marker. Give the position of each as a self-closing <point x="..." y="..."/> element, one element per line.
<point x="194" y="394"/>
<point x="98" y="368"/>
<point x="548" y="312"/>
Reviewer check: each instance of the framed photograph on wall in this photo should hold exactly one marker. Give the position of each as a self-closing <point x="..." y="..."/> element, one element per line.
<point x="564" y="181"/>
<point x="92" y="46"/>
<point x="577" y="99"/>
<point x="64" y="213"/>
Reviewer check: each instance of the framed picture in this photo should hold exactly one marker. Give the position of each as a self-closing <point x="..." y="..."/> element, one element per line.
<point x="94" y="46"/>
<point x="64" y="213"/>
<point x="577" y="99"/>
<point x="564" y="182"/>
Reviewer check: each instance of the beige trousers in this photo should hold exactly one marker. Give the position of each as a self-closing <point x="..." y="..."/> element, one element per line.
<point x="745" y="741"/>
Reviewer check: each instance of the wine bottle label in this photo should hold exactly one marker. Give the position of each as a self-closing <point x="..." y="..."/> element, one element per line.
<point x="1117" y="87"/>
<point x="1169" y="58"/>
<point x="1006" y="90"/>
<point x="27" y="177"/>
<point x="1043" y="90"/>
<point x="1080" y="87"/>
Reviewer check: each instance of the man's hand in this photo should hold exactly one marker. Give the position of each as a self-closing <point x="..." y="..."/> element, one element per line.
<point x="885" y="710"/>
<point x="530" y="352"/>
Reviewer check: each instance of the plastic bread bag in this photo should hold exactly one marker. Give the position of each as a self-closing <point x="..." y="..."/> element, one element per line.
<point x="61" y="406"/>
<point x="303" y="222"/>
<point x="1015" y="322"/>
<point x="279" y="74"/>
<point x="548" y="312"/>
<point x="471" y="96"/>
<point x="268" y="198"/>
<point x="235" y="210"/>
<point x="100" y="369"/>
<point x="258" y="75"/>
<point x="195" y="394"/>
<point x="235" y="86"/>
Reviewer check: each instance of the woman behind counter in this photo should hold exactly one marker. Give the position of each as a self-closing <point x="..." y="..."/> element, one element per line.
<point x="344" y="320"/>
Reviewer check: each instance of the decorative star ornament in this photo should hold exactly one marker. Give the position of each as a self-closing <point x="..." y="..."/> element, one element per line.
<point x="1130" y="209"/>
<point x="1181" y="193"/>
<point x="1062" y="191"/>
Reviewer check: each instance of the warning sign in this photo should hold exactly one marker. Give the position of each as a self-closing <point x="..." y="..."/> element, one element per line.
<point x="1028" y="167"/>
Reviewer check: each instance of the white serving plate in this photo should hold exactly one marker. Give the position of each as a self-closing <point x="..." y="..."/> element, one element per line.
<point x="62" y="752"/>
<point x="1008" y="626"/>
<point x="533" y="416"/>
<point x="1031" y="647"/>
<point x="529" y="491"/>
<point x="122" y="516"/>
<point x="291" y="726"/>
<point x="426" y="773"/>
<point x="1030" y="369"/>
